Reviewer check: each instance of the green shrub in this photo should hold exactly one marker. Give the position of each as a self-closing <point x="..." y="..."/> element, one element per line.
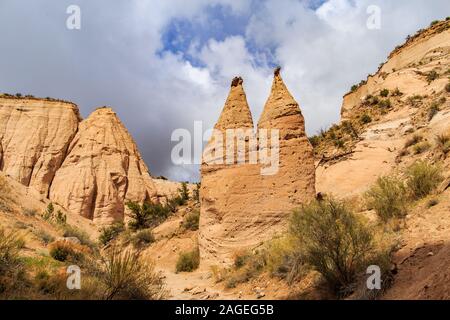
<point x="68" y="251"/>
<point x="415" y="139"/>
<point x="385" y="104"/>
<point x="432" y="203"/>
<point x="397" y="93"/>
<point x="29" y="212"/>
<point x="107" y="234"/>
<point x="147" y="215"/>
<point x="443" y="142"/>
<point x="421" y="147"/>
<point x="241" y="258"/>
<point x="384" y="93"/>
<point x="431" y="76"/>
<point x="423" y="178"/>
<point x="72" y="231"/>
<point x="191" y="220"/>
<point x="188" y="261"/>
<point x="126" y="276"/>
<point x="184" y="192"/>
<point x="44" y="237"/>
<point x="433" y="110"/>
<point x="315" y="140"/>
<point x="143" y="238"/>
<point x="434" y="23"/>
<point x="48" y="213"/>
<point x="365" y="119"/>
<point x="354" y="88"/>
<point x="339" y="143"/>
<point x="333" y="241"/>
<point x="60" y="218"/>
<point x="388" y="197"/>
<point x="196" y="192"/>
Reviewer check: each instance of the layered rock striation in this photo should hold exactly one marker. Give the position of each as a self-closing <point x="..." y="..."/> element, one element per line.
<point x="242" y="205"/>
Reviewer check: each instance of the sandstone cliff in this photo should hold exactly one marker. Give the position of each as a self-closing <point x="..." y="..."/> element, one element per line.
<point x="34" y="137"/>
<point x="240" y="206"/>
<point x="103" y="169"/>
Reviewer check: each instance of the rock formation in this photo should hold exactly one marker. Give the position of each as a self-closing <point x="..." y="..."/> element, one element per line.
<point x="34" y="137"/>
<point x="240" y="206"/>
<point x="103" y="169"/>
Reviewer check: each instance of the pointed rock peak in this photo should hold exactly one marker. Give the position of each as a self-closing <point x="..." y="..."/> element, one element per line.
<point x="236" y="112"/>
<point x="237" y="81"/>
<point x="280" y="102"/>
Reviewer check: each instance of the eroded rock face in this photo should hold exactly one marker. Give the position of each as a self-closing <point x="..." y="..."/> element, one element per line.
<point x="103" y="169"/>
<point x="294" y="183"/>
<point x="240" y="206"/>
<point x="34" y="137"/>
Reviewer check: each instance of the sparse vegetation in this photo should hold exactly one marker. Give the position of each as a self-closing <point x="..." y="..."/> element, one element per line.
<point x="397" y="93"/>
<point x="196" y="192"/>
<point x="333" y="241"/>
<point x="423" y="178"/>
<point x="365" y="119"/>
<point x="188" y="261"/>
<point x="432" y="75"/>
<point x="443" y="142"/>
<point x="421" y="147"/>
<point x="147" y="215"/>
<point x="433" y="110"/>
<point x="385" y="104"/>
<point x="432" y="202"/>
<point x="191" y="220"/>
<point x="388" y="197"/>
<point x="107" y="234"/>
<point x="415" y="139"/>
<point x="44" y="237"/>
<point x="72" y="231"/>
<point x="68" y="251"/>
<point x="142" y="238"/>
<point x="384" y="93"/>
<point x="447" y="87"/>
<point x="126" y="276"/>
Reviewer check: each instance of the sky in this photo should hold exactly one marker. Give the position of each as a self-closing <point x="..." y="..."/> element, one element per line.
<point x="164" y="64"/>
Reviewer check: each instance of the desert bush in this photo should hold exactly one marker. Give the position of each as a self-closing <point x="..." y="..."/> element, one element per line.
<point x="339" y="143"/>
<point x="240" y="258"/>
<point x="384" y="93"/>
<point x="48" y="213"/>
<point x="147" y="215"/>
<point x="423" y="178"/>
<point x="72" y="231"/>
<point x="334" y="241"/>
<point x="107" y="234"/>
<point x="443" y="142"/>
<point x="60" y="217"/>
<point x="142" y="238"/>
<point x="415" y="100"/>
<point x="126" y="276"/>
<point x="447" y="87"/>
<point x="397" y="93"/>
<point x="184" y="192"/>
<point x="432" y="202"/>
<point x="421" y="147"/>
<point x="68" y="251"/>
<point x="365" y="118"/>
<point x="44" y="237"/>
<point x="191" y="220"/>
<point x="315" y="140"/>
<point x="388" y="197"/>
<point x="29" y="212"/>
<point x="385" y="104"/>
<point x="249" y="265"/>
<point x="434" y="23"/>
<point x="415" y="139"/>
<point x="432" y="111"/>
<point x="12" y="274"/>
<point x="432" y="75"/>
<point x="196" y="192"/>
<point x="188" y="261"/>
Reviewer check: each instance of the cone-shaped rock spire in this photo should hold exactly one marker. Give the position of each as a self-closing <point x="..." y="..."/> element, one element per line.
<point x="279" y="106"/>
<point x="236" y="112"/>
